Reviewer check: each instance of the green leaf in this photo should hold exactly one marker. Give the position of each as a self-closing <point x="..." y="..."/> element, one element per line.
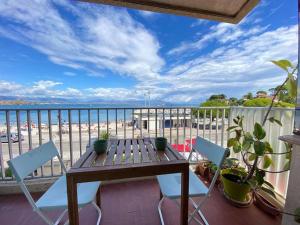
<point x="259" y="132"/>
<point x="238" y="134"/>
<point x="267" y="162"/>
<point x="231" y="142"/>
<point x="241" y="121"/>
<point x="232" y="127"/>
<point x="246" y="144"/>
<point x="268" y="147"/>
<point x="283" y="64"/>
<point x="269" y="191"/>
<point x="269" y="184"/>
<point x="253" y="183"/>
<point x="252" y="156"/>
<point x="236" y="121"/>
<point x="259" y="176"/>
<point x="291" y="85"/>
<point x="259" y="148"/>
<point x="237" y="147"/>
<point x="272" y="120"/>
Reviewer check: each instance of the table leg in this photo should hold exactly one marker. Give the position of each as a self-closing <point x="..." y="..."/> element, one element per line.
<point x="184" y="197"/>
<point x="72" y="201"/>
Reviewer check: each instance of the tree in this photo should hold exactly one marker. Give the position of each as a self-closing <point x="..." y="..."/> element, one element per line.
<point x="217" y="97"/>
<point x="233" y="101"/>
<point x="261" y="94"/>
<point x="249" y="95"/>
<point x="264" y="102"/>
<point x="283" y="94"/>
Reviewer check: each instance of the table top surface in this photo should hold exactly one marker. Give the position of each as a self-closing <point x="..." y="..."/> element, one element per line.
<point x="128" y="152"/>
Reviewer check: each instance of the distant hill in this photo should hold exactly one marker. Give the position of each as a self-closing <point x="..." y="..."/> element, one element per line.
<point x="14" y="100"/>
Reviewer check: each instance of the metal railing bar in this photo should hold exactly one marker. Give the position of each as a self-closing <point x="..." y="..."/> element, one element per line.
<point x="210" y="124"/>
<point x="70" y="135"/>
<point x="223" y="127"/>
<point x="50" y="136"/>
<point x="155" y="122"/>
<point x="163" y="123"/>
<point x="60" y="139"/>
<point x="116" y="122"/>
<point x="19" y="132"/>
<point x="177" y="128"/>
<point x="8" y="134"/>
<point x="79" y="129"/>
<point x="217" y="127"/>
<point x="98" y="122"/>
<point x="89" y="125"/>
<point x="133" y="123"/>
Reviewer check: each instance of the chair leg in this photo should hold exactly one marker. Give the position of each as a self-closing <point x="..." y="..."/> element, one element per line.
<point x="98" y="197"/>
<point x="159" y="211"/>
<point x="99" y="212"/>
<point x="45" y="218"/>
<point x="160" y="195"/>
<point x="197" y="209"/>
<point x="60" y="217"/>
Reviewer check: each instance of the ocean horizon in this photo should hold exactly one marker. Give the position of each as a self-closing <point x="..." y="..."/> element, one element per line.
<point x="75" y="108"/>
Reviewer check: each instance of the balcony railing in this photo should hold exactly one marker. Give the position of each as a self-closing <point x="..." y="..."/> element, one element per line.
<point x="72" y="129"/>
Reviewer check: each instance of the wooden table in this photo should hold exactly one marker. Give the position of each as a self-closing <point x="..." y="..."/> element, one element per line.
<point x="126" y="158"/>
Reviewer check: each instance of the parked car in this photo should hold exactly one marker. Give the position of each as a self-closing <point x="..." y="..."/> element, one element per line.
<point x="14" y="137"/>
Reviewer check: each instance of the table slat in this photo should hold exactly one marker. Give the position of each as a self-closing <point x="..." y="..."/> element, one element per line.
<point x="152" y="153"/>
<point x="111" y="154"/>
<point x="144" y="153"/>
<point x="89" y="161"/>
<point x="128" y="158"/>
<point x="175" y="153"/>
<point x="120" y="150"/>
<point x="135" y="150"/>
<point x="165" y="155"/>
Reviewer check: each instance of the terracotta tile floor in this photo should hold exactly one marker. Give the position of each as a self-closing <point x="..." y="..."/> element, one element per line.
<point x="135" y="203"/>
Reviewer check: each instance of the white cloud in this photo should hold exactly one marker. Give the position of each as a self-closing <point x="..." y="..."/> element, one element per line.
<point x="106" y="38"/>
<point x="221" y="33"/>
<point x="200" y="22"/>
<point x="69" y="74"/>
<point x="147" y="14"/>
<point x="100" y="38"/>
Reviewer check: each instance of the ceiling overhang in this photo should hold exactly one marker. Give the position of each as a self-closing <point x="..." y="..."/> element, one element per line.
<point x="230" y="11"/>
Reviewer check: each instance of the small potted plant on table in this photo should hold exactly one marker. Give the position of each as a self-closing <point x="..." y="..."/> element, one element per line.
<point x="100" y="146"/>
<point x="161" y="143"/>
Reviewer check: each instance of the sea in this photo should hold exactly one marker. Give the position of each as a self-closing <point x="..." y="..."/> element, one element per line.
<point x="116" y="112"/>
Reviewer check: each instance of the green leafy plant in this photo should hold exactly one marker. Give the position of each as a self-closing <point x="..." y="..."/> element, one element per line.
<point x="252" y="145"/>
<point x="104" y="135"/>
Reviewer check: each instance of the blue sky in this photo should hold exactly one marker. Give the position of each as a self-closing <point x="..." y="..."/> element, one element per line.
<point x="79" y="50"/>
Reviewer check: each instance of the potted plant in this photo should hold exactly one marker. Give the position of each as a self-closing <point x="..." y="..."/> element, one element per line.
<point x="161" y="143"/>
<point x="255" y="150"/>
<point x="100" y="146"/>
<point x="202" y="169"/>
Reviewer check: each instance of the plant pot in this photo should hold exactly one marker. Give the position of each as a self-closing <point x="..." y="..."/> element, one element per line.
<point x="202" y="169"/>
<point x="100" y="146"/>
<point x="232" y="188"/>
<point x="160" y="143"/>
<point x="267" y="203"/>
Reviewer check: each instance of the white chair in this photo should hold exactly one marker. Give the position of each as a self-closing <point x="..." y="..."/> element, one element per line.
<point x="55" y="198"/>
<point x="170" y="184"/>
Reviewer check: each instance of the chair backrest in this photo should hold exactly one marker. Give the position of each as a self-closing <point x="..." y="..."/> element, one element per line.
<point x="209" y="150"/>
<point x="25" y="164"/>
